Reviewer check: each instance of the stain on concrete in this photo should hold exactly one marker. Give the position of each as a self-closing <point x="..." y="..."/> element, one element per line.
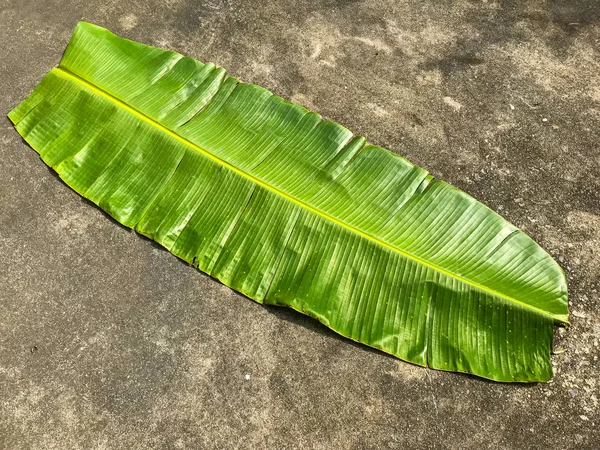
<point x="128" y="22"/>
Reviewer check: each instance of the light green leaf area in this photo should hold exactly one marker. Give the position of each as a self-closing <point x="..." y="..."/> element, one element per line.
<point x="290" y="209"/>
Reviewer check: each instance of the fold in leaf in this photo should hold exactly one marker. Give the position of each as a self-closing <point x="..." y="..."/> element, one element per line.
<point x="290" y="209"/>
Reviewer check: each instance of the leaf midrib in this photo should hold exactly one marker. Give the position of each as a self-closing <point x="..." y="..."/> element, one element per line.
<point x="76" y="78"/>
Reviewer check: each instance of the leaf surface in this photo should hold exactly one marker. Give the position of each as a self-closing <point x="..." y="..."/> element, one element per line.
<point x="290" y="209"/>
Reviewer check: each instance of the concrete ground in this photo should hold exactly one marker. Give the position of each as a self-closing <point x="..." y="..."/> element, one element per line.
<point x="107" y="341"/>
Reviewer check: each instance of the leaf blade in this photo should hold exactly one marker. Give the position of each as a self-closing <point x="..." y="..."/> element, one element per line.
<point x="410" y="252"/>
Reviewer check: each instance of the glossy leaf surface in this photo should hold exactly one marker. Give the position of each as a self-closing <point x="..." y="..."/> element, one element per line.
<point x="290" y="209"/>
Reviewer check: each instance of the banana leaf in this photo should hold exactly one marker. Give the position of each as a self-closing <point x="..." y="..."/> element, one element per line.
<point x="294" y="210"/>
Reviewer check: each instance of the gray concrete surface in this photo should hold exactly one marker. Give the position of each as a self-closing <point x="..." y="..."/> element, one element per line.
<point x="107" y="341"/>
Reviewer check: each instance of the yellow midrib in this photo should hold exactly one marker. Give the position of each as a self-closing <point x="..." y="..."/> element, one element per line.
<point x="76" y="78"/>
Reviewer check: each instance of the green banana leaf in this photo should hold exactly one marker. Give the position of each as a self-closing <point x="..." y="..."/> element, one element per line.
<point x="290" y="209"/>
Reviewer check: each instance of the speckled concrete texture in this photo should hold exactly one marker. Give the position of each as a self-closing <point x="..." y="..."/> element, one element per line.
<point x="107" y="341"/>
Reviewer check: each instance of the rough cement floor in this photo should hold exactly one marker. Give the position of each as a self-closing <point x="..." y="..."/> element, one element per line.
<point x="107" y="341"/>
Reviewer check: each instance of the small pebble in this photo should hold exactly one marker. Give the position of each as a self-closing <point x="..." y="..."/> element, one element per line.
<point x="247" y="377"/>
